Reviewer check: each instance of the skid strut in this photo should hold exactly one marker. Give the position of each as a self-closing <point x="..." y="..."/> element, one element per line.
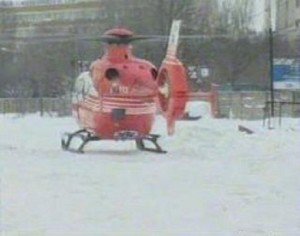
<point x="152" y="138"/>
<point x="84" y="136"/>
<point x="140" y="140"/>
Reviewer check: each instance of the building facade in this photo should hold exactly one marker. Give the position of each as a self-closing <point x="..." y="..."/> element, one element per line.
<point x="288" y="16"/>
<point x="287" y="34"/>
<point x="49" y="17"/>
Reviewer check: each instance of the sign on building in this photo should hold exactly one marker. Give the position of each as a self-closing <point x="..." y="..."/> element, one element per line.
<point x="204" y="72"/>
<point x="287" y="74"/>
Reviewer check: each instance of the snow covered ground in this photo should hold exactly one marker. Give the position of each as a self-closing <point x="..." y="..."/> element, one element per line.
<point x="214" y="180"/>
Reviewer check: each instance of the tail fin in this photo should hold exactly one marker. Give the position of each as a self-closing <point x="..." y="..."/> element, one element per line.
<point x="172" y="82"/>
<point x="173" y="39"/>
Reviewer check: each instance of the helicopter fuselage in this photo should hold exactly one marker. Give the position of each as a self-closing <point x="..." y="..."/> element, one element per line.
<point x="117" y="96"/>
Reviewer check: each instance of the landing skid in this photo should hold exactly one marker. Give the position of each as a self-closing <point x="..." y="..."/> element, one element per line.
<point x="152" y="138"/>
<point x="86" y="137"/>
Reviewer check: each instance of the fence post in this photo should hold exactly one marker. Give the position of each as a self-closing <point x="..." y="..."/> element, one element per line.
<point x="41" y="106"/>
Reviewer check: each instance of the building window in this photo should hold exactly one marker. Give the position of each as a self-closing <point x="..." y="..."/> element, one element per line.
<point x="297" y="3"/>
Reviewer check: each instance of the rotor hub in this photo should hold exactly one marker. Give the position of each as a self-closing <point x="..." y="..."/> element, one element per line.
<point x="119" y="32"/>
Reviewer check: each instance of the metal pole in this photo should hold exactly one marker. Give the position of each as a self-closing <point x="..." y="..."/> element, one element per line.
<point x="271" y="54"/>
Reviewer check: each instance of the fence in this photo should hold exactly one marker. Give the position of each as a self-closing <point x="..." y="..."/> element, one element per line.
<point x="60" y="106"/>
<point x="252" y="105"/>
<point x="240" y="105"/>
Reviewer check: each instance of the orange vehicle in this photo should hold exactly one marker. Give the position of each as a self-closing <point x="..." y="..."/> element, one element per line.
<point x="119" y="97"/>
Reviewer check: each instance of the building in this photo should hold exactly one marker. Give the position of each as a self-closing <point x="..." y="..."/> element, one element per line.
<point x="49" y="17"/>
<point x="288" y="16"/>
<point x="287" y="34"/>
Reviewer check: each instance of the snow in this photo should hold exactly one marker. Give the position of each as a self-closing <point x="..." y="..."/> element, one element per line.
<point x="198" y="108"/>
<point x="214" y="180"/>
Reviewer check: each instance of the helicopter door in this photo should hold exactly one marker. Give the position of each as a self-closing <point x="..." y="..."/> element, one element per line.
<point x="172" y="82"/>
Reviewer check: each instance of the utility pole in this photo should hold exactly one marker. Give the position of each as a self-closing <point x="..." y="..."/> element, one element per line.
<point x="271" y="54"/>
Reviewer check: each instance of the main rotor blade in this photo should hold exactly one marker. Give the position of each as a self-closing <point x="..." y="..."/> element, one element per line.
<point x="106" y="39"/>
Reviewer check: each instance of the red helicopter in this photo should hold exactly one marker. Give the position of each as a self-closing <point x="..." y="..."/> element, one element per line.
<point x="119" y="97"/>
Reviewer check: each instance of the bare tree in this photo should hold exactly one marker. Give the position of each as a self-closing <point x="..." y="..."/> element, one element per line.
<point x="151" y="17"/>
<point x="236" y="17"/>
<point x="242" y="49"/>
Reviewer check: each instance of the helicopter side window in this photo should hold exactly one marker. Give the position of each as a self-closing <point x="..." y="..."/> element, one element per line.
<point x="112" y="74"/>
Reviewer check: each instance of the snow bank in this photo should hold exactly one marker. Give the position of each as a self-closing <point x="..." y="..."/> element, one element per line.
<point x="198" y="108"/>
